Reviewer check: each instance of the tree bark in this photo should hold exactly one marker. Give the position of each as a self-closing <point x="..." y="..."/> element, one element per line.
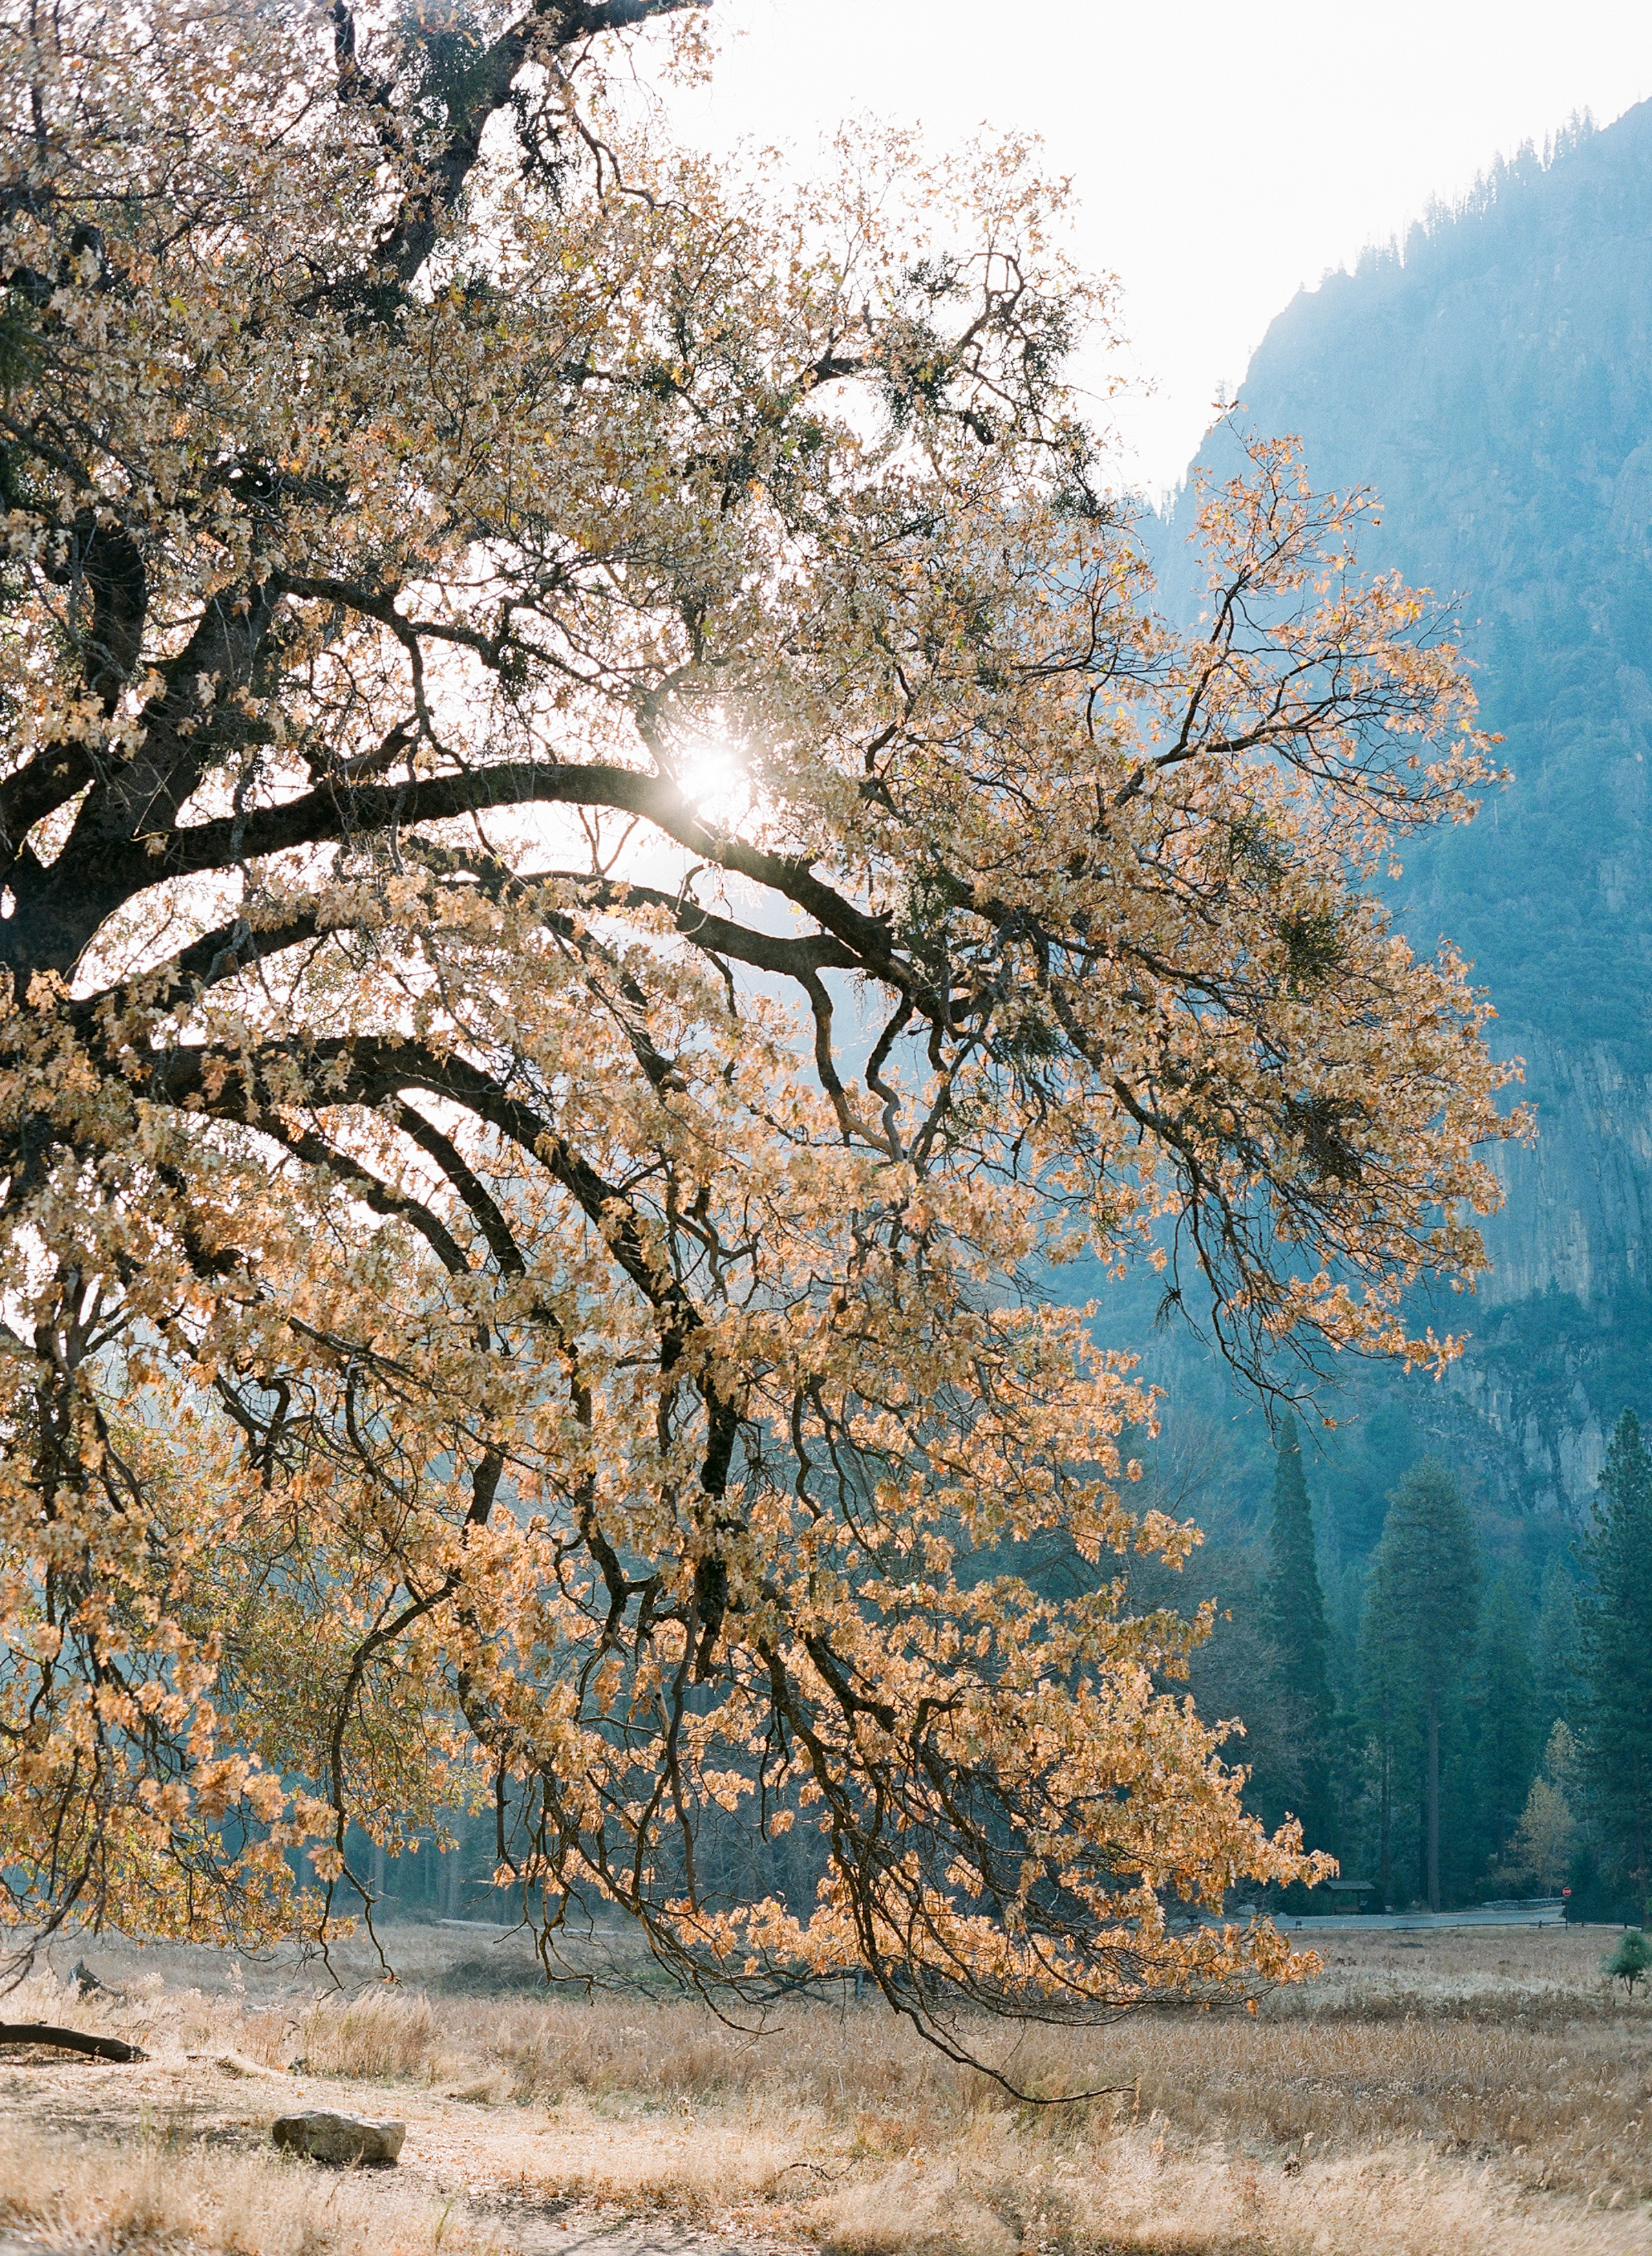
<point x="36" y="2033"/>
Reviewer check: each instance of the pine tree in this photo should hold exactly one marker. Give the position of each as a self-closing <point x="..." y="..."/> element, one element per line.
<point x="1388" y="1707"/>
<point x="1297" y="1623"/>
<point x="1347" y="1738"/>
<point x="1426" y="1581"/>
<point x="1615" y="1622"/>
<point x="1505" y="1719"/>
<point x="1556" y="1659"/>
<point x="1631" y="1962"/>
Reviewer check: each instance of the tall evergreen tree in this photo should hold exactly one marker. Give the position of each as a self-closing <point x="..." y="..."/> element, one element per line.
<point x="1505" y="1720"/>
<point x="1615" y="1621"/>
<point x="1556" y="1658"/>
<point x="1387" y="1709"/>
<point x="1296" y="1623"/>
<point x="1426" y="1581"/>
<point x="1346" y="1739"/>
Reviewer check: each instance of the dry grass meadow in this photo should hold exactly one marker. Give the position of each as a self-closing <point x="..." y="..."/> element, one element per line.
<point x="1480" y="2093"/>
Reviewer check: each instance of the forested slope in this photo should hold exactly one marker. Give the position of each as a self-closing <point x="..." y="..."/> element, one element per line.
<point x="1492" y="380"/>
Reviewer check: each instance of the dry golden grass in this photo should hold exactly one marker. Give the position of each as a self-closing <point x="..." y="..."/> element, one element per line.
<point x="1484" y="2095"/>
<point x="159" y="2191"/>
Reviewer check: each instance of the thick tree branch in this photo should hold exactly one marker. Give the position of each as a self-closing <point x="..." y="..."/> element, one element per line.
<point x="548" y="28"/>
<point x="99" y="871"/>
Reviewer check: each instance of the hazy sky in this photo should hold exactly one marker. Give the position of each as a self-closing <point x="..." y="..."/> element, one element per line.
<point x="1223" y="155"/>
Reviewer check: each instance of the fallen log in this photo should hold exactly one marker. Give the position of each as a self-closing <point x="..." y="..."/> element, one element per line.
<point x="37" y="2032"/>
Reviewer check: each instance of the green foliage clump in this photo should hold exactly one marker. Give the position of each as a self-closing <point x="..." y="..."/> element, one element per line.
<point x="1632" y="1961"/>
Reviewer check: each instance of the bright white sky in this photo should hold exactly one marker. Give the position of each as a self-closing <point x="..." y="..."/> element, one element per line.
<point x="1223" y="155"/>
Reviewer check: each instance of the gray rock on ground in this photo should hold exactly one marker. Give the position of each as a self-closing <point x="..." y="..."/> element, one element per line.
<point x="325" y="2136"/>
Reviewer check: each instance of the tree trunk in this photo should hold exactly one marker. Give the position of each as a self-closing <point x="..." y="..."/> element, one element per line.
<point x="1434" y="1801"/>
<point x="1384" y="1871"/>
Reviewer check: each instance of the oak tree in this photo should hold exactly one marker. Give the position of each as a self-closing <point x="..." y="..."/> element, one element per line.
<point x="604" y="859"/>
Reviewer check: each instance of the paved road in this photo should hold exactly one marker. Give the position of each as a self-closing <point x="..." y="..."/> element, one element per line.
<point x="1418" y="1922"/>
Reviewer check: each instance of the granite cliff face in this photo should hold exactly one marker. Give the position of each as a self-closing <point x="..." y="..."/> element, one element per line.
<point x="1492" y="380"/>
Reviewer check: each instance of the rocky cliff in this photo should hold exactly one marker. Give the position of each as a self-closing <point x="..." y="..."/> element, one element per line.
<point x="1492" y="379"/>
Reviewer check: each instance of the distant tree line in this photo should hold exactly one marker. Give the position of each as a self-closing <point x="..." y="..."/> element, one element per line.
<point x="1476" y="1735"/>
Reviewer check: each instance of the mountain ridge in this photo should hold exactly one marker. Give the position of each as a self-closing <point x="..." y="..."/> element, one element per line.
<point x="1492" y="381"/>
